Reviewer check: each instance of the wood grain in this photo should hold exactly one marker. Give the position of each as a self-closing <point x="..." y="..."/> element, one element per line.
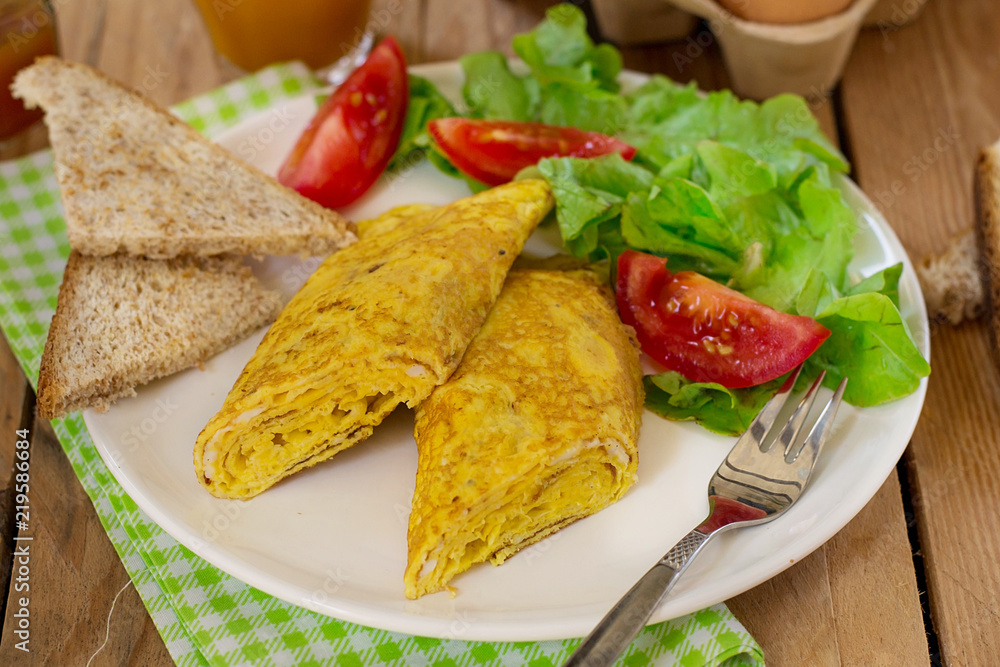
<point x="695" y="58"/>
<point x="453" y="29"/>
<point x="919" y="167"/>
<point x="167" y="65"/>
<point x="873" y="586"/>
<point x="403" y="20"/>
<point x="15" y="408"/>
<point x="75" y="576"/>
<point x="791" y="615"/>
<point x="852" y="602"/>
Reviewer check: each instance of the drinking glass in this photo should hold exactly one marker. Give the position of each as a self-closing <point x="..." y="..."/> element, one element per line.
<point x="27" y="30"/>
<point x="331" y="36"/>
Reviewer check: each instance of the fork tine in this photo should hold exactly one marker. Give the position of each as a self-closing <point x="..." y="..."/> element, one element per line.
<point x="794" y="425"/>
<point x="813" y="444"/>
<point x="762" y="423"/>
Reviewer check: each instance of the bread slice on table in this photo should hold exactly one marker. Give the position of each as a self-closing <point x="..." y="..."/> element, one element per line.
<point x="950" y="280"/>
<point x="987" y="201"/>
<point x="135" y="179"/>
<point x="123" y="321"/>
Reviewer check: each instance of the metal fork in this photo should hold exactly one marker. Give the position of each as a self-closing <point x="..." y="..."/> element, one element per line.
<point x="760" y="478"/>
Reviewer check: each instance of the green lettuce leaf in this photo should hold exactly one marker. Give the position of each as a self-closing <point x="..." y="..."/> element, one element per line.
<point x="570" y="81"/>
<point x="884" y="282"/>
<point x="820" y="238"/>
<point x="674" y="220"/>
<point x="732" y="173"/>
<point x="667" y="119"/>
<point x="426" y="103"/>
<point x="587" y="108"/>
<point x="588" y="193"/>
<point x="871" y="345"/>
<point x="722" y="410"/>
<point x="559" y="50"/>
<point x="492" y="91"/>
<point x="816" y="294"/>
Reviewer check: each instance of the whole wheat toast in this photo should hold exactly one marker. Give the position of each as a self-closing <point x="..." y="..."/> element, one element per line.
<point x="123" y="321"/>
<point x="136" y="179"/>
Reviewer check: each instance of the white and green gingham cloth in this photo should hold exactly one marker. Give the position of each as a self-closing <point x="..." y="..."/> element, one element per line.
<point x="205" y="616"/>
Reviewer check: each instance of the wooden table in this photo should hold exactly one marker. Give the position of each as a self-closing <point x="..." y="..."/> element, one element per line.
<point x="912" y="580"/>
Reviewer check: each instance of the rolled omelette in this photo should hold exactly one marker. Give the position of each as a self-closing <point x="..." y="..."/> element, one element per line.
<point x="537" y="428"/>
<point x="380" y="323"/>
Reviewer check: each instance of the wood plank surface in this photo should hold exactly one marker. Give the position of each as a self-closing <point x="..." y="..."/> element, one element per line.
<point x="854" y="601"/>
<point x="75" y="577"/>
<point x="15" y="414"/>
<point x="919" y="167"/>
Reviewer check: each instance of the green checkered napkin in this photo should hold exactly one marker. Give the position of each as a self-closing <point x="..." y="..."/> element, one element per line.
<point x="205" y="616"/>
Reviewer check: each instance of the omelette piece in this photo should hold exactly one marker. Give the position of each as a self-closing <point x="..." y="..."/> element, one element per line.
<point x="537" y="428"/>
<point x="379" y="324"/>
<point x="392" y="219"/>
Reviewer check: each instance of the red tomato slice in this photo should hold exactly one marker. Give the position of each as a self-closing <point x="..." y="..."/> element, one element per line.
<point x="706" y="331"/>
<point x="493" y="151"/>
<point x="352" y="137"/>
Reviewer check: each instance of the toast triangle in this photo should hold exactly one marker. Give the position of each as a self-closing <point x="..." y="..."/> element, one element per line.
<point x="135" y="179"/>
<point x="123" y="321"/>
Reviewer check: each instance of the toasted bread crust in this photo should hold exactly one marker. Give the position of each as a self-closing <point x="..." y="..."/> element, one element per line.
<point x="50" y="384"/>
<point x="136" y="179"/>
<point x="987" y="203"/>
<point x="950" y="280"/>
<point x="124" y="321"/>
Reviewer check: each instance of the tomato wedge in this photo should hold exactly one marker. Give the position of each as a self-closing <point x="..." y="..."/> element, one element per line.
<point x="706" y="331"/>
<point x="350" y="140"/>
<point x="493" y="151"/>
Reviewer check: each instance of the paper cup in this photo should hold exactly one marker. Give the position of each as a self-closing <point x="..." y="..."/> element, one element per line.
<point x="764" y="60"/>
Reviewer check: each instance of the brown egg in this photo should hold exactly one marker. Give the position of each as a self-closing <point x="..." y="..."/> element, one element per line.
<point x="784" y="11"/>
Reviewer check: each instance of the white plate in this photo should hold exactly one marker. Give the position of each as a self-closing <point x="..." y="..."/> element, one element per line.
<point x="333" y="538"/>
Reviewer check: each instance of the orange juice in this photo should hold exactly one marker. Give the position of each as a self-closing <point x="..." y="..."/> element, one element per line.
<point x="27" y="30"/>
<point x="255" y="33"/>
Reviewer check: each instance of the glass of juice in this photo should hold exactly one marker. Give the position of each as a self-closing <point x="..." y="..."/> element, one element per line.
<point x="328" y="35"/>
<point x="27" y="30"/>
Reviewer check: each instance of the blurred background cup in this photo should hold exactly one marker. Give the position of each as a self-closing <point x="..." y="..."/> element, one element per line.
<point x="27" y="30"/>
<point x="330" y="36"/>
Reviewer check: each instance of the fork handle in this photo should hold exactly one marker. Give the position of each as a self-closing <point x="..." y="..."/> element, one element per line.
<point x="627" y="618"/>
